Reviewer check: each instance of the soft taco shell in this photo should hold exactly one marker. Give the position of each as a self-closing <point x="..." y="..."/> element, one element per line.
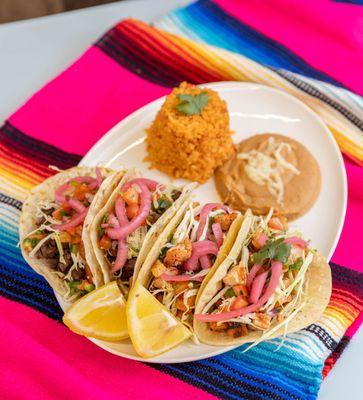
<point x="145" y="272"/>
<point x="151" y="235"/>
<point x="27" y="224"/>
<point x="319" y="286"/>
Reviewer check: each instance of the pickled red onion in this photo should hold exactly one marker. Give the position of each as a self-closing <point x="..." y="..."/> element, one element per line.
<point x="76" y="205"/>
<point x="276" y="271"/>
<point x="121" y="211"/>
<point x="218" y="233"/>
<point x="205" y="262"/>
<point x="138" y="220"/>
<point x="99" y="177"/>
<point x="204" y="215"/>
<point x="296" y="241"/>
<point x="257" y="287"/>
<point x="251" y="275"/>
<point x="262" y="239"/>
<point x="121" y="257"/>
<point x="78" y="219"/>
<point x="181" y="278"/>
<point x="149" y="183"/>
<point x="200" y="249"/>
<point x="59" y="195"/>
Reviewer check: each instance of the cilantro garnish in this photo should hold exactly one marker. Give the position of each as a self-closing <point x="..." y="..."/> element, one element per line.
<point x="163" y="253"/>
<point x="296" y="265"/>
<point x="192" y="104"/>
<point x="276" y="250"/>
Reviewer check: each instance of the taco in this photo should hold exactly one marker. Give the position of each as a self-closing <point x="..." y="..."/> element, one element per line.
<point x="124" y="230"/>
<point x="52" y="238"/>
<point x="272" y="283"/>
<point x="194" y="243"/>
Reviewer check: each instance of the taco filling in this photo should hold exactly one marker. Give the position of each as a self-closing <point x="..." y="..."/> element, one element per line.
<point x="58" y="234"/>
<point x="265" y="284"/>
<point x="122" y="230"/>
<point x="188" y="256"/>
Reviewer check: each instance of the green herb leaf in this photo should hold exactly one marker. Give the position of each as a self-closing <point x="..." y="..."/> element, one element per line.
<point x="296" y="265"/>
<point x="163" y="253"/>
<point x="100" y="231"/>
<point x="73" y="248"/>
<point x="230" y="293"/>
<point x="192" y="104"/>
<point x="273" y="250"/>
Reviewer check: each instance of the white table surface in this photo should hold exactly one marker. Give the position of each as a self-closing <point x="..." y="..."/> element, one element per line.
<point x="33" y="51"/>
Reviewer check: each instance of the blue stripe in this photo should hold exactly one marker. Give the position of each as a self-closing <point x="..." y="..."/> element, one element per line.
<point x="212" y="25"/>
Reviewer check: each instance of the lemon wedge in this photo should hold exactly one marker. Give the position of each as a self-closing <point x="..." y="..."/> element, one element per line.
<point x="153" y="329"/>
<point x="100" y="314"/>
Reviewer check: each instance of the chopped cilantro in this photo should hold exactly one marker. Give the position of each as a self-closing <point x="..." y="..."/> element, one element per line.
<point x="230" y="293"/>
<point x="273" y="250"/>
<point x="100" y="231"/>
<point x="192" y="104"/>
<point x="296" y="265"/>
<point x="73" y="248"/>
<point x="163" y="253"/>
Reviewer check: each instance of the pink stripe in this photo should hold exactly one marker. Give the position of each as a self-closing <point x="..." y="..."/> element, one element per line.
<point x="84" y="102"/>
<point x="46" y="361"/>
<point x="349" y="250"/>
<point x="326" y="34"/>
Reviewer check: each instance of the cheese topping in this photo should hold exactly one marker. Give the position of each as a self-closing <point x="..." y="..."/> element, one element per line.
<point x="266" y="167"/>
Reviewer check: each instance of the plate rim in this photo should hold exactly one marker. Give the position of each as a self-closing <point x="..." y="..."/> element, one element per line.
<point x="222" y="85"/>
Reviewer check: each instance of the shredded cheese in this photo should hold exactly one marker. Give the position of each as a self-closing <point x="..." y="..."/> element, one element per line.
<point x="266" y="167"/>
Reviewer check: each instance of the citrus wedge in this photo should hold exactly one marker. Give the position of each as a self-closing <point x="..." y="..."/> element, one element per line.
<point x="153" y="329"/>
<point x="100" y="314"/>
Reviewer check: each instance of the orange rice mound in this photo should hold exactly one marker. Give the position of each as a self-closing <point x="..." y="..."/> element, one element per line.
<point x="190" y="147"/>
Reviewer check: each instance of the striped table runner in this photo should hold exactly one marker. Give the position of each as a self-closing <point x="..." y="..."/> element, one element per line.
<point x="129" y="66"/>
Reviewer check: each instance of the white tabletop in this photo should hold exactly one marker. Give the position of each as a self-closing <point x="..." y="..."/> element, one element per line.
<point x="34" y="51"/>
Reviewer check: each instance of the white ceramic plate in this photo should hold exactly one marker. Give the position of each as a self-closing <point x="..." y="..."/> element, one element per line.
<point x="253" y="109"/>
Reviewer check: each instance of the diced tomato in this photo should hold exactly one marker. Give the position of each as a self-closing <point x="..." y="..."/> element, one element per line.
<point x="239" y="302"/>
<point x="131" y="196"/>
<point x="76" y="239"/>
<point x="61" y="212"/>
<point x="80" y="191"/>
<point x="179" y="304"/>
<point x="132" y="210"/>
<point x="240" y="290"/>
<point x="105" y="243"/>
<point x="179" y="287"/>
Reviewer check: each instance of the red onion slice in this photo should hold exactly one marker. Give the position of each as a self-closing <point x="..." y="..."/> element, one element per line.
<point x="138" y="220"/>
<point x="76" y="205"/>
<point x="78" y="219"/>
<point x="276" y="271"/>
<point x="251" y="275"/>
<point x="200" y="249"/>
<point x="218" y="233"/>
<point x="149" y="183"/>
<point x="257" y="287"/>
<point x="204" y="215"/>
<point x="297" y="241"/>
<point x="121" y="257"/>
